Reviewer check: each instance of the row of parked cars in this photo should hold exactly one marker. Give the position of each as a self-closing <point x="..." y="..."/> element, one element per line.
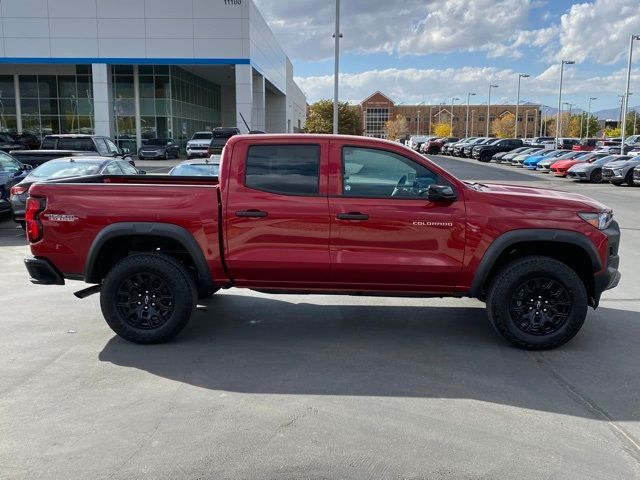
<point x="586" y="160"/>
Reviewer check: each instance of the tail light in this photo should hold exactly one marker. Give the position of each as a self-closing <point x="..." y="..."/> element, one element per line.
<point x="18" y="190"/>
<point x="33" y="224"/>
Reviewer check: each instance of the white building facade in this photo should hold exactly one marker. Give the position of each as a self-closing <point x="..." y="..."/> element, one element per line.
<point x="138" y="69"/>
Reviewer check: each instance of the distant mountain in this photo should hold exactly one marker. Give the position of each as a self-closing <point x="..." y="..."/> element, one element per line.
<point x="607" y="114"/>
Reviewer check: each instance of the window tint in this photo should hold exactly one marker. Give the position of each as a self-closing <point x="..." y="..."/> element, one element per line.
<point x="80" y="144"/>
<point x="49" y="143"/>
<point x="64" y="168"/>
<point x="102" y="147"/>
<point x="377" y="173"/>
<point x="127" y="168"/>
<point x="111" y="146"/>
<point x="8" y="165"/>
<point x="112" y="169"/>
<point x="285" y="169"/>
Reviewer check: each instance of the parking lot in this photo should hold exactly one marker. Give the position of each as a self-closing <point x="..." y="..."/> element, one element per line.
<point x="293" y="386"/>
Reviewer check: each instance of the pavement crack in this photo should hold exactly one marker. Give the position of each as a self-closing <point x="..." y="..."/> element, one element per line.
<point x="629" y="443"/>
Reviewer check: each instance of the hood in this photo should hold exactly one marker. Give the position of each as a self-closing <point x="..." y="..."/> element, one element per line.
<point x="566" y="163"/>
<point x="622" y="163"/>
<point x="584" y="166"/>
<point x="542" y="196"/>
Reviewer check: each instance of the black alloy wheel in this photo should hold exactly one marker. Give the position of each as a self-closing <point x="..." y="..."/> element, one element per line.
<point x="596" y="176"/>
<point x="540" y="306"/>
<point x="145" y="301"/>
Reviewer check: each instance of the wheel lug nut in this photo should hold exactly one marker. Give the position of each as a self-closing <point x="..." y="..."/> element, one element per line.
<point x="139" y="303"/>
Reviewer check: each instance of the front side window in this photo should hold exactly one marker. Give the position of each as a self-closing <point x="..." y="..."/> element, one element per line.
<point x="113" y="149"/>
<point x="8" y="164"/>
<point x="378" y="173"/>
<point x="127" y="168"/>
<point x="284" y="169"/>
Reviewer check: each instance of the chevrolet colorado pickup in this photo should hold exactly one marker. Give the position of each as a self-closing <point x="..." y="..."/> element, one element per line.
<point x="323" y="214"/>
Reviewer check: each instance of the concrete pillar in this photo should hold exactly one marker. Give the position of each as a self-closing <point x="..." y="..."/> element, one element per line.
<point x="16" y="88"/>
<point x="276" y="113"/>
<point x="227" y="107"/>
<point x="102" y="99"/>
<point x="258" y="110"/>
<point x="136" y="102"/>
<point x="244" y="97"/>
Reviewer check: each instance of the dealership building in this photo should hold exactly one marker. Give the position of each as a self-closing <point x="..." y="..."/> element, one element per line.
<point x="138" y="69"/>
<point x="422" y="119"/>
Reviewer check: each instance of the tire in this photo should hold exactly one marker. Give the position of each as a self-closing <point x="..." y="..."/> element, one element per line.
<point x="557" y="284"/>
<point x="152" y="273"/>
<point x="166" y="154"/>
<point x="486" y="158"/>
<point x="630" y="180"/>
<point x="596" y="176"/>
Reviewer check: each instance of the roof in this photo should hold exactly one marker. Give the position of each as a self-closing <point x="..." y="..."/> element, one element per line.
<point x="72" y="135"/>
<point x="377" y="92"/>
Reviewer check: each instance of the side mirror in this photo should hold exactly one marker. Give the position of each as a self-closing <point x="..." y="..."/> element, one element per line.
<point x="441" y="193"/>
<point x="126" y="151"/>
<point x="26" y="167"/>
<point x="142" y="172"/>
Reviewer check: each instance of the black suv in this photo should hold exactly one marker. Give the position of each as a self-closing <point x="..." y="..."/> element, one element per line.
<point x="485" y="152"/>
<point x="220" y="137"/>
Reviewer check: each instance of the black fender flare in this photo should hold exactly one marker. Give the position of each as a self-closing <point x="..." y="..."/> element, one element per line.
<point x="132" y="229"/>
<point x="508" y="239"/>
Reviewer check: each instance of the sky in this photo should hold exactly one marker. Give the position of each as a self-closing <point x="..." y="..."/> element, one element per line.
<point x="430" y="51"/>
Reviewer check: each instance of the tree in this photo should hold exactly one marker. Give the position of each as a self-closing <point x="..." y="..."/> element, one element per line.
<point x="320" y="118"/>
<point x="632" y="123"/>
<point x="612" y="132"/>
<point x="396" y="128"/>
<point x="504" y="126"/>
<point x="442" y="130"/>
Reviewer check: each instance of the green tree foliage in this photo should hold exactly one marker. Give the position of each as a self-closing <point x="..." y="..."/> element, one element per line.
<point x="504" y="126"/>
<point x="320" y="118"/>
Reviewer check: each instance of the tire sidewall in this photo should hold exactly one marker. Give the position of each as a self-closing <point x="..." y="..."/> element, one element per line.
<point x="514" y="275"/>
<point x="172" y="273"/>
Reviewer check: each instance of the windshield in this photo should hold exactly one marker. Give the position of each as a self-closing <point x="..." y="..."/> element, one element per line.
<point x="196" y="170"/>
<point x="158" y="141"/>
<point x="66" y="168"/>
<point x="202" y="136"/>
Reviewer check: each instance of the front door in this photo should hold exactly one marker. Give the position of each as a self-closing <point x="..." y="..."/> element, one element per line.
<point x="385" y="233"/>
<point x="277" y="216"/>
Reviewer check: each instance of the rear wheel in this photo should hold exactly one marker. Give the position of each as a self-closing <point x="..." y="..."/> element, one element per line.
<point x="596" y="176"/>
<point x="485" y="157"/>
<point x="630" y="180"/>
<point x="537" y="303"/>
<point x="148" y="298"/>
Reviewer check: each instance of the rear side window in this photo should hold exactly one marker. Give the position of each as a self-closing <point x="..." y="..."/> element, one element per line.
<point x="284" y="169"/>
<point x="49" y="143"/>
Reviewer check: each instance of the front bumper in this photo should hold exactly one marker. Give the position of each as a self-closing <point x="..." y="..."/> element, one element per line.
<point x="577" y="175"/>
<point x="150" y="155"/>
<point x="197" y="152"/>
<point x="42" y="272"/>
<point x="610" y="276"/>
<point x="611" y="176"/>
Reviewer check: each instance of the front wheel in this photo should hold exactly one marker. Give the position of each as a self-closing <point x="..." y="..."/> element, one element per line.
<point x="486" y="158"/>
<point x="596" y="176"/>
<point x="148" y="298"/>
<point x="537" y="303"/>
<point x="630" y="180"/>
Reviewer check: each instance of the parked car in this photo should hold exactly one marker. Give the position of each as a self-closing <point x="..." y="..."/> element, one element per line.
<point x="297" y="216"/>
<point x="636" y="175"/>
<point x="586" y="144"/>
<point x="465" y="150"/>
<point x="448" y="147"/>
<point x="567" y="143"/>
<point x="505" y="157"/>
<point x="620" y="171"/>
<point x="8" y="143"/>
<point x="66" y="145"/>
<point x="615" y="149"/>
<point x="65" y="168"/>
<point x="531" y="162"/>
<point x="484" y="152"/>
<point x="414" y="140"/>
<point x="198" y="146"/>
<point x="434" y="146"/>
<point x="209" y="167"/>
<point x="11" y="172"/>
<point x="591" y="170"/>
<point x="561" y="167"/>
<point x="538" y="140"/>
<point x="164" y="148"/>
<point x="518" y="160"/>
<point x="544" y="166"/>
<point x="220" y="137"/>
<point x="635" y="152"/>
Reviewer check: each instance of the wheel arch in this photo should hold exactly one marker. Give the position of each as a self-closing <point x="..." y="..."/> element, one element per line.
<point x="117" y="240"/>
<point x="571" y="248"/>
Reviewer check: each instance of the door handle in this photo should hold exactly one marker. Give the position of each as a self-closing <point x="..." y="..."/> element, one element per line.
<point x="251" y="213"/>
<point x="352" y="216"/>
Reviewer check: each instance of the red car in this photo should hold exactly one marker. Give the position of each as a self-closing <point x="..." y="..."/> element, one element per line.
<point x="561" y="167"/>
<point x="318" y="214"/>
<point x="586" y="145"/>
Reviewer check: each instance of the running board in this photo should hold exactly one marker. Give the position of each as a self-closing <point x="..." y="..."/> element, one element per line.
<point x="88" y="291"/>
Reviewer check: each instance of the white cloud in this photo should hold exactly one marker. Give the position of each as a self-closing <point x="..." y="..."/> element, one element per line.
<point x="439" y="85"/>
<point x="414" y="27"/>
<point x="598" y="31"/>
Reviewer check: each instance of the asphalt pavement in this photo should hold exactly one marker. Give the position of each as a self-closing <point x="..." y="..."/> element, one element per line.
<point x="295" y="386"/>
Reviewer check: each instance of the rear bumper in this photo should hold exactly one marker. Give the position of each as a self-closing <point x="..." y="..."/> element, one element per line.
<point x="42" y="272"/>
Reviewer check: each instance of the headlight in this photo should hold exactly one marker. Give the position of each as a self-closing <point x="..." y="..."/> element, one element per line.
<point x="600" y="220"/>
<point x="617" y="173"/>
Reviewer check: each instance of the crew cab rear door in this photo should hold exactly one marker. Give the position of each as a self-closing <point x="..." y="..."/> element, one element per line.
<point x="277" y="213"/>
<point x="385" y="232"/>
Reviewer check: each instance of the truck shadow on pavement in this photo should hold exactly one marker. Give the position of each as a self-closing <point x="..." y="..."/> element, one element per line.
<point x="258" y="345"/>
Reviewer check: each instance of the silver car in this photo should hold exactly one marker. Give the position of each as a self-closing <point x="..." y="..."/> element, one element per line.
<point x="591" y="169"/>
<point x="621" y="171"/>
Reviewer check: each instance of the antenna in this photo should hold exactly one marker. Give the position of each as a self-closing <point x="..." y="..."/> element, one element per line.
<point x="245" y="122"/>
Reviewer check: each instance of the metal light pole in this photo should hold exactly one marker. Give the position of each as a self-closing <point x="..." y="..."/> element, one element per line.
<point x="559" y="117"/>
<point x="336" y="73"/>
<point x="418" y="124"/>
<point x="520" y="76"/>
<point x="466" y="128"/>
<point x="472" y="113"/>
<point x="489" y="107"/>
<point x="589" y="114"/>
<point x="451" y="119"/>
<point x="526" y="123"/>
<point x="430" y="108"/>
<point x="625" y="100"/>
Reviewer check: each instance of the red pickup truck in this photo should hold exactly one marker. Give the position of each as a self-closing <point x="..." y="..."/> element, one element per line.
<point x="323" y="214"/>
